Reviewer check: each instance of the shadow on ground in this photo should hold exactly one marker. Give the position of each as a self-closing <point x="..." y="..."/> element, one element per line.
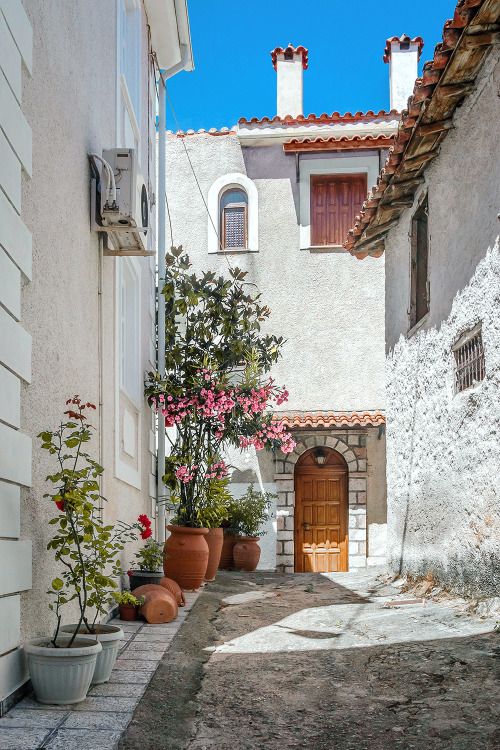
<point x="345" y="690"/>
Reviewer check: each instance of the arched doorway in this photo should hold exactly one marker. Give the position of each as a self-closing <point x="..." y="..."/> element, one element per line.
<point x="321" y="512"/>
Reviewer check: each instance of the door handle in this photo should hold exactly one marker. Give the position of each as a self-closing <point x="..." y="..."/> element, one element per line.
<point x="305" y="526"/>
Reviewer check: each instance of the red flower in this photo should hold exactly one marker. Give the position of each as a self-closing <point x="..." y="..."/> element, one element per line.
<point x="129" y="573"/>
<point x="144" y="520"/>
<point x="146" y="533"/>
<point x="60" y="505"/>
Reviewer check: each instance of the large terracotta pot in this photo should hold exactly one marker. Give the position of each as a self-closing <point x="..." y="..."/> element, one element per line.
<point x="215" y="540"/>
<point x="160" y="605"/>
<point x="186" y="556"/>
<point x="226" y="556"/>
<point x="174" y="589"/>
<point x="246" y="553"/>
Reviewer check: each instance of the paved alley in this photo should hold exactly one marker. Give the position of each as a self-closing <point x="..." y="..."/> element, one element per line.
<point x="324" y="662"/>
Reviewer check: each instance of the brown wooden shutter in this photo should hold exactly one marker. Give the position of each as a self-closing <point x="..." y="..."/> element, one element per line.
<point x="335" y="202"/>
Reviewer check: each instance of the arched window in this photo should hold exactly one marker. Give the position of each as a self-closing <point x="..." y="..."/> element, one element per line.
<point x="234" y="219"/>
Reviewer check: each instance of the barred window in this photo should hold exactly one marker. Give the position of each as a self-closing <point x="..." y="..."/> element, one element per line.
<point x="469" y="360"/>
<point x="234" y="219"/>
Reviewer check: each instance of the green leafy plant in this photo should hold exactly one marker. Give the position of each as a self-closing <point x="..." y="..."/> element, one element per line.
<point x="151" y="556"/>
<point x="84" y="546"/>
<point x="214" y="390"/>
<point x="248" y="513"/>
<point x="125" y="597"/>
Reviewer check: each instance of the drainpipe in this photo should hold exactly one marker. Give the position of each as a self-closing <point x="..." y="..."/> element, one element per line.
<point x="162" y="127"/>
<point x="162" y="167"/>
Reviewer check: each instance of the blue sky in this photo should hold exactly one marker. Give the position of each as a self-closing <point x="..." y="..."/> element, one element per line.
<point x="232" y="41"/>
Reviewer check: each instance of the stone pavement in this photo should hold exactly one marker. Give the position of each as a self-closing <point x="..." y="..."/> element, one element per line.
<point x="322" y="662"/>
<point x="98" y="722"/>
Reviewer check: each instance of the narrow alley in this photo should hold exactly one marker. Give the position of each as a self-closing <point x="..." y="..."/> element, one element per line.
<point x="324" y="662"/>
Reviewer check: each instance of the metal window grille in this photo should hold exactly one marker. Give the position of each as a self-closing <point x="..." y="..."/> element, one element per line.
<point x="470" y="365"/>
<point x="234" y="225"/>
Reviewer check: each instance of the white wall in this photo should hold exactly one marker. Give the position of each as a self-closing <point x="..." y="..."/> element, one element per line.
<point x="442" y="448"/>
<point x="15" y="342"/>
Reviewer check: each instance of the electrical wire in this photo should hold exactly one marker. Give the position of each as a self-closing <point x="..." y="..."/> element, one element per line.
<point x="111" y="184"/>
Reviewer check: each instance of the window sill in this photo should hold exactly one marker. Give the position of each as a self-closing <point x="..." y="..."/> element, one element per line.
<point x="418" y="325"/>
<point x="232" y="250"/>
<point x="325" y="249"/>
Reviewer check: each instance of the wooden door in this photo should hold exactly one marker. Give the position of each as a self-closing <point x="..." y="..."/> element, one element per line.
<point x="321" y="513"/>
<point x="336" y="199"/>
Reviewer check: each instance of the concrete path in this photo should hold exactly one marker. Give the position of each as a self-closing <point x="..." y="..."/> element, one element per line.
<point x="322" y="662"/>
<point x="98" y="722"/>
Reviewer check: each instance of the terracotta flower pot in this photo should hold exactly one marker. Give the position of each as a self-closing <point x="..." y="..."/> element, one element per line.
<point x="246" y="553"/>
<point x="186" y="556"/>
<point x="174" y="589"/>
<point x="128" y="612"/>
<point x="160" y="605"/>
<point x="215" y="540"/>
<point x="226" y="556"/>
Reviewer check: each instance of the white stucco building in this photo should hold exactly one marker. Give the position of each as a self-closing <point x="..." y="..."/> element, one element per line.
<point x="76" y="317"/>
<point x="278" y="196"/>
<point x="434" y="217"/>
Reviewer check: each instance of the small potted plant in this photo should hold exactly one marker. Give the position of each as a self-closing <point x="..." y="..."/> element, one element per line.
<point x="150" y="560"/>
<point x="247" y="515"/>
<point x="128" y="604"/>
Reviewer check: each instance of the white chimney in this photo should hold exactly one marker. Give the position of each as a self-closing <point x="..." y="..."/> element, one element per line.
<point x="289" y="64"/>
<point x="402" y="55"/>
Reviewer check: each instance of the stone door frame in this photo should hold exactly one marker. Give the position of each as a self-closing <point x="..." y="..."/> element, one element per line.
<point x="352" y="445"/>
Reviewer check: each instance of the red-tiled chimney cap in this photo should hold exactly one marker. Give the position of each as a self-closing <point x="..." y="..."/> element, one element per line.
<point x="290" y="49"/>
<point x="403" y="39"/>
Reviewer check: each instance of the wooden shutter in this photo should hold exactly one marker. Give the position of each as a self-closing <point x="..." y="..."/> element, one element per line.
<point x="335" y="202"/>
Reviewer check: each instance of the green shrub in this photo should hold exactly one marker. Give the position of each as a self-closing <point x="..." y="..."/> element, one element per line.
<point x="248" y="513"/>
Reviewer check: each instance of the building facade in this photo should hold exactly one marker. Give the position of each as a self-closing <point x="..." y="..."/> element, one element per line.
<point x="434" y="214"/>
<point x="77" y="316"/>
<point x="277" y="197"/>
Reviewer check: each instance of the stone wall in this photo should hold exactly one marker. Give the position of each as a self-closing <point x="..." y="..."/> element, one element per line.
<point x="442" y="447"/>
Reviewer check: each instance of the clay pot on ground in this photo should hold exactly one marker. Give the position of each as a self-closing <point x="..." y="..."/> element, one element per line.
<point x="186" y="556"/>
<point x="246" y="553"/>
<point x="62" y="675"/>
<point x="109" y="636"/>
<point x="215" y="540"/>
<point x="226" y="555"/>
<point x="174" y="589"/>
<point x="144" y="578"/>
<point x="128" y="612"/>
<point x="160" y="605"/>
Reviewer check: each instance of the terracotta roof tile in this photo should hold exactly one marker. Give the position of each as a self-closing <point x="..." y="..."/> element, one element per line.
<point x="403" y="39"/>
<point x="295" y="145"/>
<point x="336" y="117"/>
<point x="300" y="50"/>
<point x="447" y="79"/>
<point x="351" y="419"/>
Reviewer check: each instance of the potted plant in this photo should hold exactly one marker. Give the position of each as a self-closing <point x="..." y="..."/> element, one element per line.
<point x="214" y="391"/>
<point x="247" y="514"/>
<point x="213" y="510"/>
<point x="150" y="560"/>
<point x="128" y="604"/>
<point x="85" y="549"/>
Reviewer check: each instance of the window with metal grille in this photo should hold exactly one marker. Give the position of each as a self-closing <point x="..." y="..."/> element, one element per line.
<point x="234" y="219"/>
<point x="469" y="360"/>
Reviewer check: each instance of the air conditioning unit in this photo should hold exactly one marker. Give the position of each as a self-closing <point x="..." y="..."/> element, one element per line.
<point x="125" y="205"/>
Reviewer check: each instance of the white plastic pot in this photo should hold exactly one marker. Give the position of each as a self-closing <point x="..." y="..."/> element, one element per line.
<point x="109" y="636"/>
<point x="62" y="675"/>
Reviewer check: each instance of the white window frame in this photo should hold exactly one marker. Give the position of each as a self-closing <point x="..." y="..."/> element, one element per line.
<point x="233" y="180"/>
<point x="368" y="165"/>
<point x="129" y="69"/>
<point x="122" y="470"/>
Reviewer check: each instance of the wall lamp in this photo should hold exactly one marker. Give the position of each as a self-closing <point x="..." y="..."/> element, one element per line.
<point x="320" y="456"/>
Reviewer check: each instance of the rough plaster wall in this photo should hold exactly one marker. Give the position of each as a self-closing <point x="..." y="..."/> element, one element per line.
<point x="376" y="509"/>
<point x="70" y="105"/>
<point x="329" y="306"/>
<point x="442" y="449"/>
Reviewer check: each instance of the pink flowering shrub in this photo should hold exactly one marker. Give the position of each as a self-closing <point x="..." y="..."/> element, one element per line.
<point x="215" y="390"/>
